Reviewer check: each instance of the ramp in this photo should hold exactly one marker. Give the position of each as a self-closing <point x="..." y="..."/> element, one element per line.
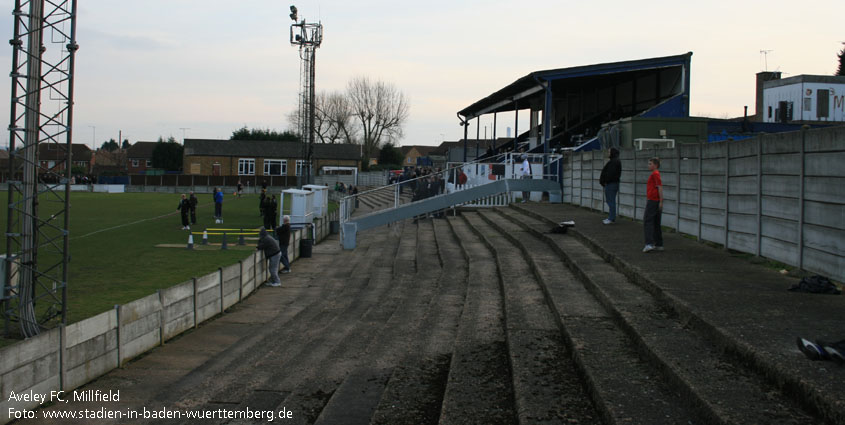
<point x="380" y="218"/>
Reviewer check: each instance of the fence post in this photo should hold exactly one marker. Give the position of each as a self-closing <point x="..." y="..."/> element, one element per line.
<point x="678" y="188"/>
<point x="161" y="318"/>
<point x="801" y="202"/>
<point x="727" y="189"/>
<point x="581" y="182"/>
<point x="636" y="180"/>
<point x="241" y="281"/>
<point x="700" y="189"/>
<point x="571" y="177"/>
<point x="117" y="331"/>
<point x="759" y="194"/>
<point x="196" y="321"/>
<point x="222" y="304"/>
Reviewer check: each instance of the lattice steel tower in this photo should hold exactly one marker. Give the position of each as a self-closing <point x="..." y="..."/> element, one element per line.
<point x="308" y="37"/>
<point x="34" y="292"/>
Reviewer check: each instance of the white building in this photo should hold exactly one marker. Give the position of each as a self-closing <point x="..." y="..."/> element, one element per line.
<point x="804" y="98"/>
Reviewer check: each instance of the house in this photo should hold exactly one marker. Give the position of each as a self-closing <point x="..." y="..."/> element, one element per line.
<point x="263" y="157"/>
<point x="109" y="162"/>
<point x="139" y="157"/>
<point x="454" y="151"/>
<point x="53" y="157"/>
<point x="416" y="155"/>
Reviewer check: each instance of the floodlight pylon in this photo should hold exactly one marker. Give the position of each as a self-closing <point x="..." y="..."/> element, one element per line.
<point x="34" y="292"/>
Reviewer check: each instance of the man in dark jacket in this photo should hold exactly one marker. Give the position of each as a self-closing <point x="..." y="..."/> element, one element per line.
<point x="184" y="209"/>
<point x="192" y="200"/>
<point x="609" y="179"/>
<point x="283" y="234"/>
<point x="270" y="207"/>
<point x="272" y="253"/>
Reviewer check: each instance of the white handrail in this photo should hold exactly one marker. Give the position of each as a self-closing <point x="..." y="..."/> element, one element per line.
<point x="508" y="157"/>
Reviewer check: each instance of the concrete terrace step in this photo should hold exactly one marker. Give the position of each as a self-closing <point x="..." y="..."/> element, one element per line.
<point x="479" y="368"/>
<point x="546" y="386"/>
<point x="326" y="326"/>
<point x="716" y="385"/>
<point x="414" y="392"/>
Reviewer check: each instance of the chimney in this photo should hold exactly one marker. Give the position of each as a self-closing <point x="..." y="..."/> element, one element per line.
<point x="762" y="77"/>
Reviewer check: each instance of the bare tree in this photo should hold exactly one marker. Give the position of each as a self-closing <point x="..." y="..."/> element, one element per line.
<point x="332" y="119"/>
<point x="379" y="109"/>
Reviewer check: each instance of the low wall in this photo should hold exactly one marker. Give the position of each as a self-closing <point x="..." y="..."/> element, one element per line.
<point x="69" y="356"/>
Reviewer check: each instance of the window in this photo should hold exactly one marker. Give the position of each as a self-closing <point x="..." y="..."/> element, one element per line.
<point x="808" y="104"/>
<point x="770" y="111"/>
<point x="301" y="167"/>
<point x="246" y="167"/>
<point x="149" y="163"/>
<point x="135" y="162"/>
<point x="275" y="167"/>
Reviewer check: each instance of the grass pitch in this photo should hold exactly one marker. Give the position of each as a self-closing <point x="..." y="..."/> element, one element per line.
<point x="113" y="238"/>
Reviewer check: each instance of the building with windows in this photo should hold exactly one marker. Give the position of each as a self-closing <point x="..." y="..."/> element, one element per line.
<point x="802" y="98"/>
<point x="139" y="157"/>
<point x="416" y="155"/>
<point x="262" y="157"/>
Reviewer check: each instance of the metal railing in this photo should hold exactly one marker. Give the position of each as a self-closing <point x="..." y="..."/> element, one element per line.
<point x="477" y="173"/>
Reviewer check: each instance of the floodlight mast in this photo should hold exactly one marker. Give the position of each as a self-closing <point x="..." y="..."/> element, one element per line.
<point x="308" y="36"/>
<point x="34" y="291"/>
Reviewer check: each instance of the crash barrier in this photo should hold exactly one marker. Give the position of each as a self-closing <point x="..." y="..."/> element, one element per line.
<point x="779" y="196"/>
<point x="69" y="356"/>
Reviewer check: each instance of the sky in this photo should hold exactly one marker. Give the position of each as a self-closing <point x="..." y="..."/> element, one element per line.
<point x="204" y="68"/>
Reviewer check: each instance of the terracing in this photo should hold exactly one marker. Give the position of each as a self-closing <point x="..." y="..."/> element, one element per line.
<point x="486" y="318"/>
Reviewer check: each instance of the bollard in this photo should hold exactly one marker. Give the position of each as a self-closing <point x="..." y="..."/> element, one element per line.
<point x="241" y="239"/>
<point x="190" y="241"/>
<point x="205" y="237"/>
<point x="224" y="246"/>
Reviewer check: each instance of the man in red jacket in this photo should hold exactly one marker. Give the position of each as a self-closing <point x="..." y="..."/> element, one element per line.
<point x="653" y="208"/>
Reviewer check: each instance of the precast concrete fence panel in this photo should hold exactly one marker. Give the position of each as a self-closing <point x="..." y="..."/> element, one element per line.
<point x="90" y="349"/>
<point x="139" y="326"/>
<point x="178" y="309"/>
<point x="231" y="280"/>
<point x="780" y="196"/>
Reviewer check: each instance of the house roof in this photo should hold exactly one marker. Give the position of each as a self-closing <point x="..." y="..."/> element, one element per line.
<point x="141" y="150"/>
<point x="422" y="149"/>
<point x="53" y="151"/>
<point x="804" y="78"/>
<point x="268" y="149"/>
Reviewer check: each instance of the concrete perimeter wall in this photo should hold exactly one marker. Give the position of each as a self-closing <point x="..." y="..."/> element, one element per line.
<point x="69" y="356"/>
<point x="780" y="196"/>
